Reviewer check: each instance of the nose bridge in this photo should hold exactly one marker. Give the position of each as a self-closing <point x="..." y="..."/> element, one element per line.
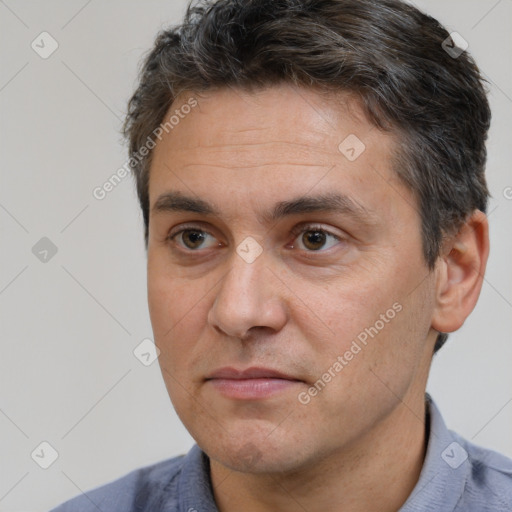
<point x="243" y="286"/>
<point x="245" y="298"/>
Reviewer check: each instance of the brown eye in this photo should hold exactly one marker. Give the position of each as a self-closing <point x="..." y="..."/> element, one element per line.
<point x="192" y="238"/>
<point x="314" y="240"/>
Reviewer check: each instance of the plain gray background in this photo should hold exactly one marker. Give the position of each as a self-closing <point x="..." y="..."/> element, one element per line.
<point x="69" y="325"/>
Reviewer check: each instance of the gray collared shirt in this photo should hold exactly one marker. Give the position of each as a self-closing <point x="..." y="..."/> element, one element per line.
<point x="457" y="476"/>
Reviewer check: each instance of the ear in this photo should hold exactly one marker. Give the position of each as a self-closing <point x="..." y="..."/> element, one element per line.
<point x="460" y="273"/>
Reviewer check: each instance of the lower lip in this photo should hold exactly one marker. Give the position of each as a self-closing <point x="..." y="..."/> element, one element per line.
<point x="251" y="389"/>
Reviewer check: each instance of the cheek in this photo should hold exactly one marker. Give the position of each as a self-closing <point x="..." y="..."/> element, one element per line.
<point x="374" y="325"/>
<point x="162" y="308"/>
<point x="378" y="365"/>
<point x="343" y="311"/>
<point x="177" y="312"/>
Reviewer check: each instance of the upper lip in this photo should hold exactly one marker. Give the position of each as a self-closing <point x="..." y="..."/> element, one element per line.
<point x="249" y="373"/>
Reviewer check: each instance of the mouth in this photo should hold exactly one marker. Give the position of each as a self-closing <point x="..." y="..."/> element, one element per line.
<point x="251" y="383"/>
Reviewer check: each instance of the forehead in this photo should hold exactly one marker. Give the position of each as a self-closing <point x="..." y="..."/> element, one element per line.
<point x="283" y="114"/>
<point x="273" y="143"/>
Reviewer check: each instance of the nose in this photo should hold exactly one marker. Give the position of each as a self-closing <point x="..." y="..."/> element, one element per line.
<point x="249" y="298"/>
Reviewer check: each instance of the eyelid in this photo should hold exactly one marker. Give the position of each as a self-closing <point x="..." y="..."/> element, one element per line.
<point x="184" y="227"/>
<point x="301" y="228"/>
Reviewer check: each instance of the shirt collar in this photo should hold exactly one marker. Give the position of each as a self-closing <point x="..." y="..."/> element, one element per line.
<point x="445" y="469"/>
<point x="194" y="488"/>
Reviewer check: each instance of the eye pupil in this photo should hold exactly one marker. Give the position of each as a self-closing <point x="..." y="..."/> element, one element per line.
<point x="314" y="240"/>
<point x="194" y="237"/>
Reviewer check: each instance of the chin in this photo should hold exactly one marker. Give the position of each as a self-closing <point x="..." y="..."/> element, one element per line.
<point x="258" y="456"/>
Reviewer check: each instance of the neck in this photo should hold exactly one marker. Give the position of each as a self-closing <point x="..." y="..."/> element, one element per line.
<point x="382" y="467"/>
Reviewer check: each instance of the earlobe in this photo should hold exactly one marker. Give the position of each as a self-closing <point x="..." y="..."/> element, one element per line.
<point x="460" y="273"/>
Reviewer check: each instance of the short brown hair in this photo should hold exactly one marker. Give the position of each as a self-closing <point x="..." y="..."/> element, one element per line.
<point x="390" y="54"/>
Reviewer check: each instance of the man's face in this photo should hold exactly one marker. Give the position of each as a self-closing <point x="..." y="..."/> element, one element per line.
<point x="310" y="281"/>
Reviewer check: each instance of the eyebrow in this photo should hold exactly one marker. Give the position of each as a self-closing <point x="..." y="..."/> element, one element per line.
<point x="330" y="202"/>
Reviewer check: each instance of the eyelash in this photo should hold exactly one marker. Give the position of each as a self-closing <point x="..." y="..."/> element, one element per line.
<point x="296" y="231"/>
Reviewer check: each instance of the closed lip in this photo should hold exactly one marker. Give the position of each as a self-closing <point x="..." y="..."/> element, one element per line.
<point x="249" y="373"/>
